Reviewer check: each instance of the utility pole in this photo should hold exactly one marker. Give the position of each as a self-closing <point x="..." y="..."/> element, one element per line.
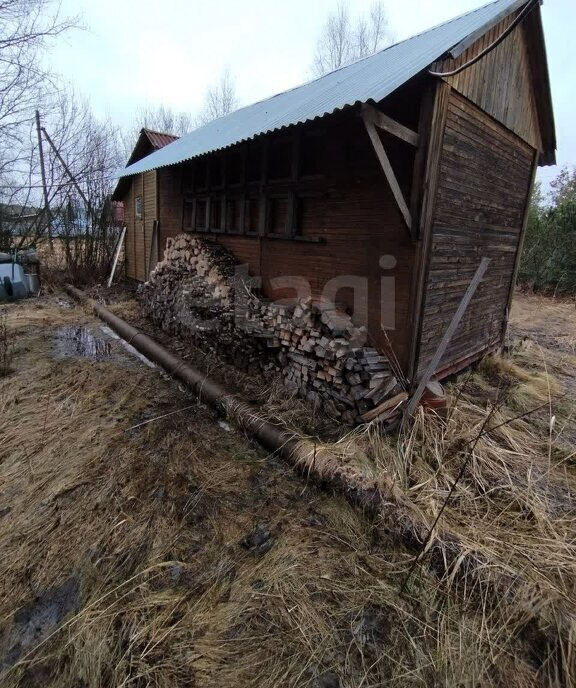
<point x="43" y="174"/>
<point x="67" y="170"/>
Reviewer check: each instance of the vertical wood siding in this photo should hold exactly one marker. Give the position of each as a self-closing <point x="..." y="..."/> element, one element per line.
<point x="501" y="82"/>
<point x="139" y="232"/>
<point x="130" y="251"/>
<point x="485" y="179"/>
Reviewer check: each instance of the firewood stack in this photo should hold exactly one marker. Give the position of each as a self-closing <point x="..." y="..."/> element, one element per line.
<point x="314" y="345"/>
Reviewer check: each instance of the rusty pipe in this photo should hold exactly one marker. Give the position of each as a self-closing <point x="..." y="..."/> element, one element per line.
<point x="305" y="455"/>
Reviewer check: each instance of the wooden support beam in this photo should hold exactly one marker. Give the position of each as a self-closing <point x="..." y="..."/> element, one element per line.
<point x="388" y="171"/>
<point x="117" y="250"/>
<point x="153" y="254"/>
<point x="441" y="350"/>
<point x="382" y="121"/>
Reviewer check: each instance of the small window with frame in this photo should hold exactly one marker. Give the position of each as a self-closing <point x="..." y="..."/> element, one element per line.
<point x="138" y="207"/>
<point x="277" y="216"/>
<point x="215" y="224"/>
<point x="252" y="215"/>
<point x="308" y="213"/>
<point x="200" y="220"/>
<point x="234" y="215"/>
<point x="188" y="216"/>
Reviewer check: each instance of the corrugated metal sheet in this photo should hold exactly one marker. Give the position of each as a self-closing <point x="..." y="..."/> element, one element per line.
<point x="158" y="139"/>
<point x="372" y="78"/>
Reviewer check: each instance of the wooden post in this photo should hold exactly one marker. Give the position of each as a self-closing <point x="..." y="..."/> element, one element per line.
<point x="153" y="248"/>
<point x="43" y="176"/>
<point x="428" y="193"/>
<point x="116" y="255"/>
<point x="67" y="170"/>
<point x="440" y="351"/>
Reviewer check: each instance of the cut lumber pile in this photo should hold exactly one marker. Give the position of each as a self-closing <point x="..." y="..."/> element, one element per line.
<point x="195" y="293"/>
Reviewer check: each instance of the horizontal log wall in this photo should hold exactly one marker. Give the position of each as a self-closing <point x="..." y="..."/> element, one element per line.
<point x="485" y="180"/>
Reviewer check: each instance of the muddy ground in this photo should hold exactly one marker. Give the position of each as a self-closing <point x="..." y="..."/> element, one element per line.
<point x="144" y="542"/>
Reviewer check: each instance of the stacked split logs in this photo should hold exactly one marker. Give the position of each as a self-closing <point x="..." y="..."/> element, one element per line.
<point x="195" y="293"/>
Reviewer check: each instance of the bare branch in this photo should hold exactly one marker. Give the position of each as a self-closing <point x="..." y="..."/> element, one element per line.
<point x="342" y="40"/>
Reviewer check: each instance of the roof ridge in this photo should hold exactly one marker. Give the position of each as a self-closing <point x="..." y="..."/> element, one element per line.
<point x="368" y="57"/>
<point x="162" y="133"/>
<point x="378" y="76"/>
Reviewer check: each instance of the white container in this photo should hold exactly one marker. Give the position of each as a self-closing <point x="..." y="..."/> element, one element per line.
<point x="33" y="283"/>
<point x="13" y="280"/>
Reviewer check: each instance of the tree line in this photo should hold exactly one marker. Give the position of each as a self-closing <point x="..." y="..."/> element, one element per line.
<point x="548" y="261"/>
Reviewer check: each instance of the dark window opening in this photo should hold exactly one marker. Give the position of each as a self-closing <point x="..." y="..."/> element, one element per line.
<point x="216" y="171"/>
<point x="216" y="214"/>
<point x="306" y="215"/>
<point x="201" y="208"/>
<point x="188" y="218"/>
<point x="201" y="173"/>
<point x="252" y="218"/>
<point x="280" y="164"/>
<point x="233" y="208"/>
<point x="254" y="163"/>
<point x="234" y="165"/>
<point x="188" y="178"/>
<point x="278" y="215"/>
<point x="312" y="155"/>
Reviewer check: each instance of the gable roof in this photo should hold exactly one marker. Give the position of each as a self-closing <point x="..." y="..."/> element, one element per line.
<point x="369" y="79"/>
<point x="148" y="142"/>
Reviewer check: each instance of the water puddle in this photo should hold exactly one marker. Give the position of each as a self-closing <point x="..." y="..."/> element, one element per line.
<point x="33" y="623"/>
<point x="80" y="342"/>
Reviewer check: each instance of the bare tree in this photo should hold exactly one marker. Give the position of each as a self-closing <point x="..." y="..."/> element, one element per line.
<point x="220" y="100"/>
<point x="336" y="44"/>
<point x="27" y="27"/>
<point x="162" y="118"/>
<point x="343" y="40"/>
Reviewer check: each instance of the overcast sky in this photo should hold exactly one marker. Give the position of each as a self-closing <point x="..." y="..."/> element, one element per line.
<point x="135" y="53"/>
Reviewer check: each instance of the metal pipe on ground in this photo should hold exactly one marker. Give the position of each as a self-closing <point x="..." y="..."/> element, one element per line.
<point x="304" y="454"/>
<point x="380" y="497"/>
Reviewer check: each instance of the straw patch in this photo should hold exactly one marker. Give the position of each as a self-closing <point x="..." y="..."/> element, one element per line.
<point x="175" y="553"/>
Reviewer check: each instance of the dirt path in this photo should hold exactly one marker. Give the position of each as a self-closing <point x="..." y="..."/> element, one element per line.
<point x="139" y="546"/>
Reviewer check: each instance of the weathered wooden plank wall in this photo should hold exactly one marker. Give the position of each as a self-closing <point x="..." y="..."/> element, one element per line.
<point x="352" y="221"/>
<point x="150" y="215"/>
<point x="485" y="177"/>
<point x="501" y="82"/>
<point x="130" y="252"/>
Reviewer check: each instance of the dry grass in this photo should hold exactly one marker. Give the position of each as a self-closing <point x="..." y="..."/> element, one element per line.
<point x="155" y="526"/>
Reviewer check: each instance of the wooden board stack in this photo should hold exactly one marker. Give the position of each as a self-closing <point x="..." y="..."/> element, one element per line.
<point x="315" y="346"/>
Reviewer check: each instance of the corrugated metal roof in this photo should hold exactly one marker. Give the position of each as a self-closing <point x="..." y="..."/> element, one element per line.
<point x="159" y="139"/>
<point x="372" y="78"/>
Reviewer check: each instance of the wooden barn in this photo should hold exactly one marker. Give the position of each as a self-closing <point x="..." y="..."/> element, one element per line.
<point x="397" y="174"/>
<point x="140" y="197"/>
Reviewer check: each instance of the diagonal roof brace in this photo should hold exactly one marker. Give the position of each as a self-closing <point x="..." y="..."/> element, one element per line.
<point x="382" y="121"/>
<point x="387" y="168"/>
